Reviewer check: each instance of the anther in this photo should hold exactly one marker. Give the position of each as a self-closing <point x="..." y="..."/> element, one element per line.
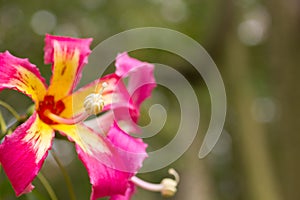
<point x="94" y="103"/>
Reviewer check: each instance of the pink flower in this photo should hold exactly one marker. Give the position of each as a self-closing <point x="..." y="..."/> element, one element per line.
<point x="111" y="157"/>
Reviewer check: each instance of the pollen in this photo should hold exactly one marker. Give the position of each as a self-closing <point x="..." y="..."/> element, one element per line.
<point x="94" y="103"/>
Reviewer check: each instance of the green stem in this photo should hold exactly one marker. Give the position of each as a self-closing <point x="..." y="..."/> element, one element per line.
<point x="47" y="186"/>
<point x="2" y="125"/>
<point x="66" y="176"/>
<point x="10" y="109"/>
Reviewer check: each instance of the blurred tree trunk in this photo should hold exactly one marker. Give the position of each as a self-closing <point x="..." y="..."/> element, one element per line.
<point x="250" y="136"/>
<point x="285" y="62"/>
<point x="257" y="176"/>
<point x="196" y="179"/>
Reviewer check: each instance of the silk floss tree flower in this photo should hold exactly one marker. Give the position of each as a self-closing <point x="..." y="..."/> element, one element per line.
<point x="112" y="157"/>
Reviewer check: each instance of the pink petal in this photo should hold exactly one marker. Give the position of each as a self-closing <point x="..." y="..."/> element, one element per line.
<point x="125" y="144"/>
<point x="141" y="79"/>
<point x="20" y="74"/>
<point x="67" y="56"/>
<point x="124" y="108"/>
<point x="22" y="153"/>
<point x="127" y="155"/>
<point x="102" y="123"/>
<point x="140" y="85"/>
<point x="128" y="194"/>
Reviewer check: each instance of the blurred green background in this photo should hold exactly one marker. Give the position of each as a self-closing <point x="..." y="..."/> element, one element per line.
<point x="255" y="45"/>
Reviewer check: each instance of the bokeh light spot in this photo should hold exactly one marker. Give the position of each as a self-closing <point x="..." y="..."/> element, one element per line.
<point x="43" y="22"/>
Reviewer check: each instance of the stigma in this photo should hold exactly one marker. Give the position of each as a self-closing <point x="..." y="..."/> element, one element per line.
<point x="167" y="187"/>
